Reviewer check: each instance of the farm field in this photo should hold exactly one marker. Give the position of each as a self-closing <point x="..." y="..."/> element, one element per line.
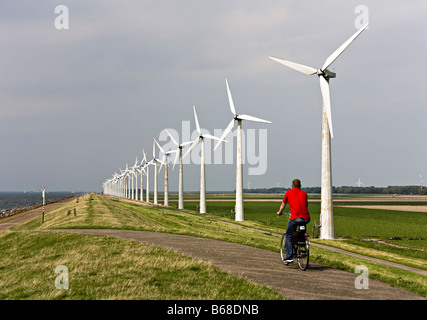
<point x="391" y="233"/>
<point x="353" y="221"/>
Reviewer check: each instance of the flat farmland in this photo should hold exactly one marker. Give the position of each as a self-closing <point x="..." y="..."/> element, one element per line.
<point x="355" y="217"/>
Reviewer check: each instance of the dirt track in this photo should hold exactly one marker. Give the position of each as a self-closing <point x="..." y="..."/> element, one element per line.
<point x="265" y="267"/>
<point x="9" y="222"/>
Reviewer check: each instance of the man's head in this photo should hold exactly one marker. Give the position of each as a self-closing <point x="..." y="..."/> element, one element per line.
<point x="296" y="183"/>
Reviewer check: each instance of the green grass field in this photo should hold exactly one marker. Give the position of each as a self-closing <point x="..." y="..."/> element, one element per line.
<point x="352" y="223"/>
<point x="36" y="254"/>
<point x="104" y="268"/>
<point x="360" y="226"/>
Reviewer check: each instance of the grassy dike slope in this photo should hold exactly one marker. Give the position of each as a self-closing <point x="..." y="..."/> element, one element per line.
<point x="94" y="211"/>
<point x="102" y="267"/>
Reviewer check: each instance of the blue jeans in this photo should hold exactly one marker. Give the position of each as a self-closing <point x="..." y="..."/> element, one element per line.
<point x="292" y="226"/>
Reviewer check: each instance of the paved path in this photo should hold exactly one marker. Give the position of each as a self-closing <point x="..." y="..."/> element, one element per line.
<point x="9" y="222"/>
<point x="264" y="267"/>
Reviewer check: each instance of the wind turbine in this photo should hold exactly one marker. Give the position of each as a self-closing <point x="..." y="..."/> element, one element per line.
<point x="122" y="183"/>
<point x="359" y="183"/>
<point x="326" y="214"/>
<point x="181" y="180"/>
<point x="155" y="161"/>
<point x="126" y="181"/>
<point x="201" y="138"/>
<point x="165" y="161"/>
<point x="147" y="191"/>
<point x="239" y="171"/>
<point x="134" y="175"/>
<point x="142" y="171"/>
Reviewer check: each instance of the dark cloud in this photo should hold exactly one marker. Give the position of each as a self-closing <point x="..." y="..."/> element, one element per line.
<point x="77" y="104"/>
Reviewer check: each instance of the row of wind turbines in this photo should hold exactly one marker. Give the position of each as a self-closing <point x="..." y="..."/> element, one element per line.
<point x="119" y="183"/>
<point x="123" y="184"/>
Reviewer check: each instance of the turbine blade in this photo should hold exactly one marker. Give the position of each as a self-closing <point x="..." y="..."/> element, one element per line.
<point x="230" y="99"/>
<point x="145" y="155"/>
<point x="295" y="66"/>
<point x="172" y="138"/>
<point x="160" y="148"/>
<point x="197" y="120"/>
<point x="225" y="133"/>
<point x="250" y="118"/>
<point x="324" y="86"/>
<point x="195" y="142"/>
<point x="212" y="137"/>
<point x="185" y="143"/>
<point x="162" y="162"/>
<point x="176" y="159"/>
<point x="341" y="49"/>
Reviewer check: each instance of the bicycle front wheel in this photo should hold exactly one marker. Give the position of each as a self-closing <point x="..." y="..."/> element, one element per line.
<point x="303" y="256"/>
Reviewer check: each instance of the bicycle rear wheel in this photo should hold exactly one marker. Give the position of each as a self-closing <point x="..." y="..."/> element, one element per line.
<point x="303" y="255"/>
<point x="283" y="249"/>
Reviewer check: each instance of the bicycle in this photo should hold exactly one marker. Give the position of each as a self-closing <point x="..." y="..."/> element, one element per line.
<point x="300" y="247"/>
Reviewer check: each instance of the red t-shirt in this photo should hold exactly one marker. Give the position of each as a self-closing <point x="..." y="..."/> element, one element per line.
<point x="298" y="203"/>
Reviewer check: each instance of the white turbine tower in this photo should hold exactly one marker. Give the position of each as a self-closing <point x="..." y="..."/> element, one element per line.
<point x="155" y="161"/>
<point x="142" y="171"/>
<point x="147" y="191"/>
<point x="239" y="171"/>
<point x="134" y="174"/>
<point x="326" y="214"/>
<point x="126" y="181"/>
<point x="166" y="154"/>
<point x="123" y="183"/>
<point x="181" y="178"/>
<point x="201" y="138"/>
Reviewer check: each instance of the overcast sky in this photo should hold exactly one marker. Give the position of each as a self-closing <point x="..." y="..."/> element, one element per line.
<point x="78" y="104"/>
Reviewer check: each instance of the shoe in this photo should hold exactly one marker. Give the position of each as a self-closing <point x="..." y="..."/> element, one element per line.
<point x="288" y="260"/>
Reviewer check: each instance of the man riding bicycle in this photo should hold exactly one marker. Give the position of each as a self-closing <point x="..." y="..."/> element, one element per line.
<point x="298" y="204"/>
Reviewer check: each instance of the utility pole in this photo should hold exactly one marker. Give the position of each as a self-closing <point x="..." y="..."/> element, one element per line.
<point x="43" y="190"/>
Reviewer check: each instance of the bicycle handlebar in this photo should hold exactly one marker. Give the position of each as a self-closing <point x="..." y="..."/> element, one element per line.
<point x="286" y="213"/>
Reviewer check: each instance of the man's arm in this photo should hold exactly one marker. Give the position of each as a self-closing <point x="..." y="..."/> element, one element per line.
<point x="306" y="200"/>
<point x="282" y="207"/>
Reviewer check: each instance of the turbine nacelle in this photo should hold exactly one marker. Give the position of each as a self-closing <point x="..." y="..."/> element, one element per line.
<point x="326" y="74"/>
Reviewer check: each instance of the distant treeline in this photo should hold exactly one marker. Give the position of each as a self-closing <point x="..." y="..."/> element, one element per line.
<point x="351" y="190"/>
